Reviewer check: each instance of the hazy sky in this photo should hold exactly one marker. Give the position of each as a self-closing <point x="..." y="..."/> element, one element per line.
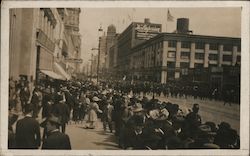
<point x="203" y="21"/>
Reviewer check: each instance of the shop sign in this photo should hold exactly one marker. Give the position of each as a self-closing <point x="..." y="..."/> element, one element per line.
<point x="73" y="60"/>
<point x="146" y="31"/>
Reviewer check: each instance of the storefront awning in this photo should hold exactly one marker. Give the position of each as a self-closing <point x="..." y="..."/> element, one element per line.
<point x="52" y="74"/>
<point x="62" y="71"/>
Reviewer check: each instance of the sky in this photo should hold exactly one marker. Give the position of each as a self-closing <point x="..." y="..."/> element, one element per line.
<point x="203" y="21"/>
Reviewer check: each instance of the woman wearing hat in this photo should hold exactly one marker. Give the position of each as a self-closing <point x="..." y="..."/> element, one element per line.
<point x="92" y="116"/>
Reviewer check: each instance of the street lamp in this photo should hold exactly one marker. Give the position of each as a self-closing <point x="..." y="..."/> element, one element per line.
<point x="98" y="60"/>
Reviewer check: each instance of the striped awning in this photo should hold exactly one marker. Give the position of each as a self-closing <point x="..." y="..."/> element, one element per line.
<point x="59" y="69"/>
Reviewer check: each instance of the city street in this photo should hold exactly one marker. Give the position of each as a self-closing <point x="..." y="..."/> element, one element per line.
<point x="98" y="139"/>
<point x="91" y="139"/>
<point x="74" y="74"/>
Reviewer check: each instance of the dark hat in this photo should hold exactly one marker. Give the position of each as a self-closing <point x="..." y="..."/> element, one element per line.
<point x="28" y="108"/>
<point x="52" y="119"/>
<point x="195" y="105"/>
<point x="206" y="129"/>
<point x="224" y="125"/>
<point x="212" y="125"/>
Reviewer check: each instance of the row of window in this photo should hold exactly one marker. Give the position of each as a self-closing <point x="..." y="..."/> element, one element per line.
<point x="186" y="65"/>
<point x="201" y="56"/>
<point x="201" y="45"/>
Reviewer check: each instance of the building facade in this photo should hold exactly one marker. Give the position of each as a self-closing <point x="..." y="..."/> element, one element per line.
<point x="187" y="57"/>
<point x="136" y="33"/>
<point x="38" y="43"/>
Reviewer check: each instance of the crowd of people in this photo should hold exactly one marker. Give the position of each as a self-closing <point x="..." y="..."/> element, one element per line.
<point x="138" y="121"/>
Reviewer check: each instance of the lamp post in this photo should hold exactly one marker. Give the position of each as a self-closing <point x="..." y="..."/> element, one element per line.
<point x="98" y="59"/>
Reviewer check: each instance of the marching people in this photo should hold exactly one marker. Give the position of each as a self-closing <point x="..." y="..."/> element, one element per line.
<point x="56" y="139"/>
<point x="28" y="131"/>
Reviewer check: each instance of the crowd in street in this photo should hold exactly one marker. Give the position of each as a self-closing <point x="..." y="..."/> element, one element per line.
<point x="138" y="122"/>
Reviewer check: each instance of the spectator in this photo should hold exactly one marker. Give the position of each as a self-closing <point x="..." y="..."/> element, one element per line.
<point x="28" y="131"/>
<point x="56" y="139"/>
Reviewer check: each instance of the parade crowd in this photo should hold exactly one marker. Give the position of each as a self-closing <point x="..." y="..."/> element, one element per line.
<point x="131" y="111"/>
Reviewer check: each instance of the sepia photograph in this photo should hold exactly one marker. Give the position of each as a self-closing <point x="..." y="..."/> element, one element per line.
<point x="125" y="78"/>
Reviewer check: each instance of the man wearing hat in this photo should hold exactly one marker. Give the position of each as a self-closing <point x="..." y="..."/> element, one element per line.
<point x="28" y="131"/>
<point x="61" y="110"/>
<point x="193" y="121"/>
<point x="205" y="138"/>
<point x="35" y="102"/>
<point x="56" y="139"/>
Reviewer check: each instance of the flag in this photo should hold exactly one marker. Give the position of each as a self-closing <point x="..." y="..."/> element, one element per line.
<point x="170" y="18"/>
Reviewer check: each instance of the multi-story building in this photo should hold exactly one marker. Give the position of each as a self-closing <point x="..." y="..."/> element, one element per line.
<point x="111" y="33"/>
<point x="187" y="57"/>
<point x="71" y="24"/>
<point x="38" y="43"/>
<point x="113" y="57"/>
<point x="168" y="56"/>
<point x="133" y="35"/>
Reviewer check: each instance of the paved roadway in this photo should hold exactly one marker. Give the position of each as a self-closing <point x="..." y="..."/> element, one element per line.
<point x="91" y="139"/>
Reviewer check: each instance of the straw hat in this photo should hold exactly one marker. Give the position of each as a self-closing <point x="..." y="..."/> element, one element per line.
<point x="96" y="99"/>
<point x="137" y="107"/>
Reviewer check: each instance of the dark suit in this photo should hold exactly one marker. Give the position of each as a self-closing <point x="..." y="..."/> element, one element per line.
<point x="27" y="133"/>
<point x="57" y="140"/>
<point x="61" y="110"/>
<point x="35" y="103"/>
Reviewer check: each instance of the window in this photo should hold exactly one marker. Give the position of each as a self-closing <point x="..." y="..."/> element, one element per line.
<point x="185" y="55"/>
<point x="198" y="65"/>
<point x="199" y="56"/>
<point x="160" y="45"/>
<point x="213" y="57"/>
<point x="185" y="44"/>
<point x="227" y="58"/>
<point x="184" y="65"/>
<point x="199" y="45"/>
<point x="239" y="48"/>
<point x="172" y="44"/>
<point x="171" y="54"/>
<point x="228" y="47"/>
<point x="238" y="58"/>
<point x="171" y="64"/>
<point x="213" y="46"/>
